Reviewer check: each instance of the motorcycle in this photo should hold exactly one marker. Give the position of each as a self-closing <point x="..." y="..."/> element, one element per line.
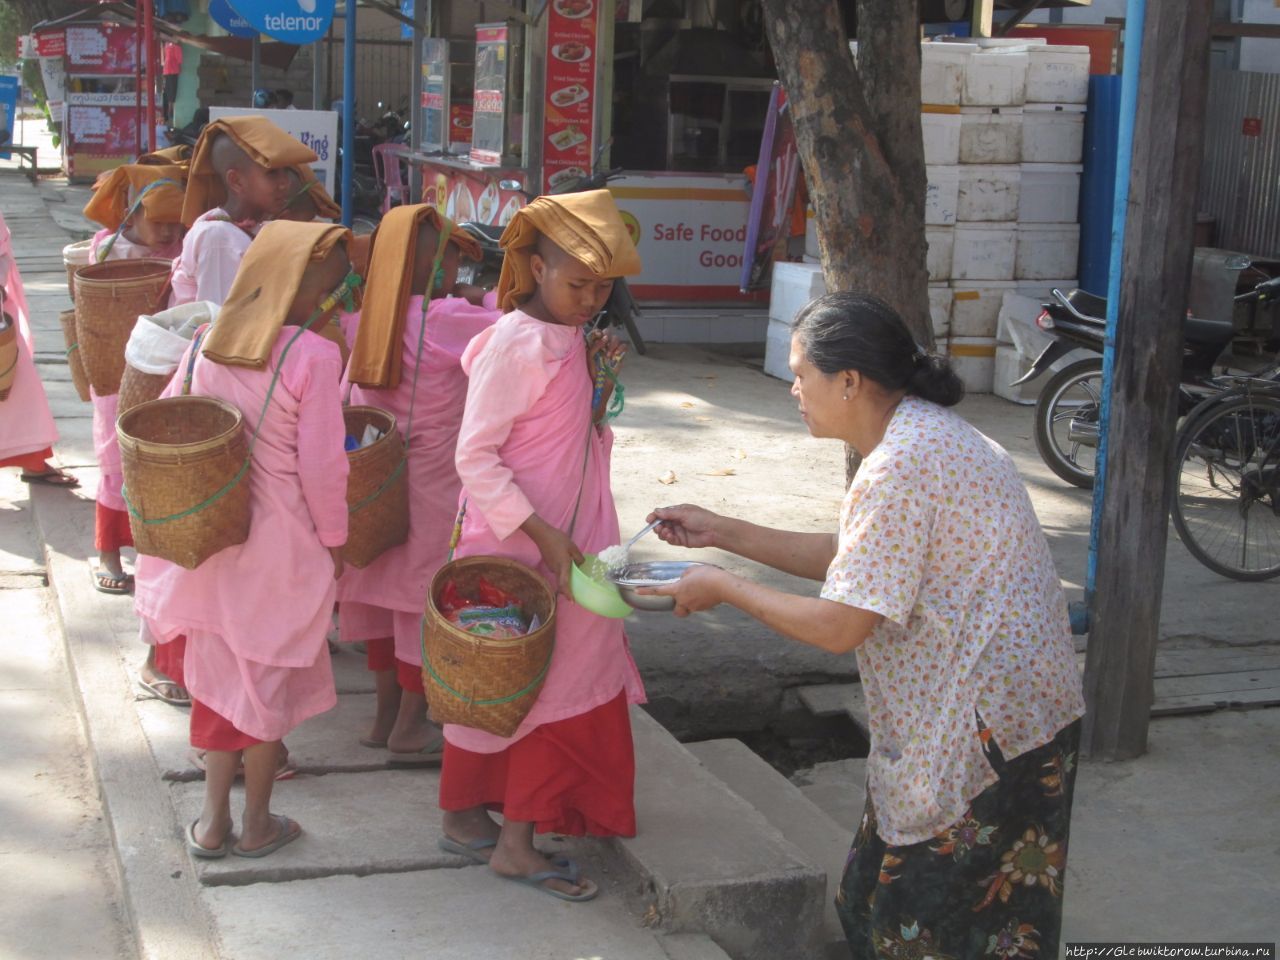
<point x="1068" y="412"/>
<point x="620" y="310"/>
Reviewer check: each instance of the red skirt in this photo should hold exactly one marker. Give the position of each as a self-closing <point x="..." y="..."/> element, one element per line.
<point x="212" y="731"/>
<point x="169" y="658"/>
<point x="29" y="462"/>
<point x="573" y="777"/>
<point x="111" y="529"/>
<point x="380" y="654"/>
<point x="409" y="676"/>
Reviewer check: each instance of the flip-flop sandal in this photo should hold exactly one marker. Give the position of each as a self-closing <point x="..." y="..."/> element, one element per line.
<point x="54" y="478"/>
<point x="286" y="836"/>
<point x="471" y="849"/>
<point x="156" y="691"/>
<point x="199" y="850"/>
<point x="286" y="771"/>
<point x="568" y="872"/>
<point x="106" y="582"/>
<point x="373" y="744"/>
<point x="429" y="756"/>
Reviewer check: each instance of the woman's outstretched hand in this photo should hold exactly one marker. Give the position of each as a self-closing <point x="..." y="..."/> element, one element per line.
<point x="686" y="525"/>
<point x="701" y="588"/>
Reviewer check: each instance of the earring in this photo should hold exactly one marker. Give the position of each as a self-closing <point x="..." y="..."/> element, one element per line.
<point x="846" y="396"/>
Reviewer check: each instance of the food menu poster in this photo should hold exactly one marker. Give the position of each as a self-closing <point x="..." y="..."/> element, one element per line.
<point x="489" y="117"/>
<point x="101" y="49"/>
<point x="102" y="124"/>
<point x="569" y="131"/>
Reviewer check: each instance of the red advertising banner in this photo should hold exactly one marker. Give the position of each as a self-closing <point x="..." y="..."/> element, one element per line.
<point x="100" y="49"/>
<point x="51" y="43"/>
<point x="569" y="130"/>
<point x="103" y="124"/>
<point x="460" y="121"/>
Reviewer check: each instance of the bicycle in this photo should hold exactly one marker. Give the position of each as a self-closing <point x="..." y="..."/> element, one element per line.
<point x="1226" y="480"/>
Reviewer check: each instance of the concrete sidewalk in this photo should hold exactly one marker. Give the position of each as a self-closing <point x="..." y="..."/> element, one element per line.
<point x="1179" y="845"/>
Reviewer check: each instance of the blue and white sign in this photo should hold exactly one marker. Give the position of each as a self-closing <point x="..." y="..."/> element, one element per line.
<point x="289" y="21"/>
<point x="221" y="13"/>
<point x="318" y="129"/>
<point x="8" y="112"/>
<point x="406" y="9"/>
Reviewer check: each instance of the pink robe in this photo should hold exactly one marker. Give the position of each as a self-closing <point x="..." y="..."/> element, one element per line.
<point x="256" y="614"/>
<point x="26" y="423"/>
<point x="105" y="445"/>
<point x="521" y="448"/>
<point x="211" y="255"/>
<point x="387" y="597"/>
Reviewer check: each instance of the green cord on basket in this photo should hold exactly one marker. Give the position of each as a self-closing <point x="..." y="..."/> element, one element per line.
<point x="618" y="402"/>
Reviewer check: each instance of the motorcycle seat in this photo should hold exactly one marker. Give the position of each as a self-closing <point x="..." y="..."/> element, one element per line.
<point x="483" y="231"/>
<point x="1209" y="333"/>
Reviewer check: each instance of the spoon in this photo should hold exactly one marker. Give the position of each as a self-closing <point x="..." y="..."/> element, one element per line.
<point x="632" y="542"/>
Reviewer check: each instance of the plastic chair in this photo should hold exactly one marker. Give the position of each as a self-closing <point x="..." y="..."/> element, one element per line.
<point x="387" y="170"/>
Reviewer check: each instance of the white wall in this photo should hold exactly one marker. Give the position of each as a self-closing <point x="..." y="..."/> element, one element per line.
<point x="1262" y="56"/>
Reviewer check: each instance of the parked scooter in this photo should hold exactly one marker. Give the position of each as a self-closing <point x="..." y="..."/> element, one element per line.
<point x="620" y="310"/>
<point x="1068" y="411"/>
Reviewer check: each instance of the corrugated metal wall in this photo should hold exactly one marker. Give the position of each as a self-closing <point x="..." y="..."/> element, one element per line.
<point x="383" y="63"/>
<point x="1240" y="180"/>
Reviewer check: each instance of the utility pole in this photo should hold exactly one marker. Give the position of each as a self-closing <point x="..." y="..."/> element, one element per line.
<point x="1158" y="245"/>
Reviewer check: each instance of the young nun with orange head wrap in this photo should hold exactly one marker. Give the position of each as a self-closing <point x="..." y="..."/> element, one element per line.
<point x="255" y="615"/>
<point x="140" y="209"/>
<point x="407" y="360"/>
<point x="239" y="177"/>
<point x="533" y="457"/>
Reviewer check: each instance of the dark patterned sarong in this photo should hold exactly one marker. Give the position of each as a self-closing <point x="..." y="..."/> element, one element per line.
<point x="988" y="886"/>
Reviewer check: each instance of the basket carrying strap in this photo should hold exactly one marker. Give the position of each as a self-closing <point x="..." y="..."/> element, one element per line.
<point x="328" y="304"/>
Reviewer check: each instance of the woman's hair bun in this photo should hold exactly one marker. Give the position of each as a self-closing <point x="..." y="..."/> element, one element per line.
<point x="934" y="380"/>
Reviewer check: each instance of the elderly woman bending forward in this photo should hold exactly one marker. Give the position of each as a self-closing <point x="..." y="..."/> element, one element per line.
<point x="941" y="579"/>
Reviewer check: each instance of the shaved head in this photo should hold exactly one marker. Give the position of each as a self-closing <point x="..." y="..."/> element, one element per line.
<point x="227" y="155"/>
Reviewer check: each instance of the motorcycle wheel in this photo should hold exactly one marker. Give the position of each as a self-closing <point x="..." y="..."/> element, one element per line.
<point x="1073" y="393"/>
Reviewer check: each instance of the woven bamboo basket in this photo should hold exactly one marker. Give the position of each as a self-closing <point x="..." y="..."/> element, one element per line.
<point x="109" y="299"/>
<point x="74" y="256"/>
<point x="185" y="463"/>
<point x="377" y="488"/>
<point x="78" y="377"/>
<point x="8" y="354"/>
<point x="137" y="387"/>
<point x="478" y="681"/>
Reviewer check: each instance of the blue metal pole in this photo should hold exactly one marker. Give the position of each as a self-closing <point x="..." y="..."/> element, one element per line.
<point x="349" y="114"/>
<point x="1135" y="20"/>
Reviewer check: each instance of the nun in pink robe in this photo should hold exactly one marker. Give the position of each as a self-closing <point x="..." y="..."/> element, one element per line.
<point x="255" y="615"/>
<point x="386" y="598"/>
<point x="524" y="437"/>
<point x="27" y="431"/>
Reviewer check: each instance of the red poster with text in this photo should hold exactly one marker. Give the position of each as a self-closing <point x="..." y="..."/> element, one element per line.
<point x="51" y="43"/>
<point x="101" y="124"/>
<point x="101" y="49"/>
<point x="569" y="129"/>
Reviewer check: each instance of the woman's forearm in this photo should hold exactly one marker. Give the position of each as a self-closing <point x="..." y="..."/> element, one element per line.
<point x="800" y="554"/>
<point x="825" y="624"/>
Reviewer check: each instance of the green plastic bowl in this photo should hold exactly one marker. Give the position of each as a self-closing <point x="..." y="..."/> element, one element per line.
<point x="592" y="591"/>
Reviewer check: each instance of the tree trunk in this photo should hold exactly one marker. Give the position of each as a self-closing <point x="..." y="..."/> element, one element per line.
<point x="858" y="133"/>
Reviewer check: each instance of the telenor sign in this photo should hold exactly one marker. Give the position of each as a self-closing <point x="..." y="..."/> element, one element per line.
<point x="222" y="14"/>
<point x="289" y="21"/>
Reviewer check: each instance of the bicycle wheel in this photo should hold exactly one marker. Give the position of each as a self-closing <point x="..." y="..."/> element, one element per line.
<point x="1226" y="477"/>
<point x="1067" y="416"/>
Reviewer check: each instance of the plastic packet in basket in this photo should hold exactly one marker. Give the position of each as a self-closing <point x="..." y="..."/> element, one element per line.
<point x="159" y="340"/>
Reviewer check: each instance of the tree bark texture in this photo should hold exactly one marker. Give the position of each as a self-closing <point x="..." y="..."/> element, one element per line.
<point x="858" y="133"/>
<point x="1168" y="142"/>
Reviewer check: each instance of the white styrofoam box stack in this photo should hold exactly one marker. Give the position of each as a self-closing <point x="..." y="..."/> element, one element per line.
<point x="974" y="360"/>
<point x="1045" y="250"/>
<point x="1009" y="43"/>
<point x="1050" y="193"/>
<point x="794" y="285"/>
<point x="1057" y="74"/>
<point x="942" y="194"/>
<point x="1016" y="324"/>
<point x="1053" y="133"/>
<point x="811" y="235"/>
<point x="941" y="246"/>
<point x="990" y="134"/>
<point x="996" y="77"/>
<point x="975" y="306"/>
<point x="988" y="192"/>
<point x="1009" y="366"/>
<point x="940" y="309"/>
<point x="940" y="127"/>
<point x="777" y="350"/>
<point x="983" y="251"/>
<point x="942" y="69"/>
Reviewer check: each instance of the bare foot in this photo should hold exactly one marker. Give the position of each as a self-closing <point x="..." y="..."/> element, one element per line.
<point x="516" y="860"/>
<point x="469" y="825"/>
<point x="212" y="833"/>
<point x="413" y="732"/>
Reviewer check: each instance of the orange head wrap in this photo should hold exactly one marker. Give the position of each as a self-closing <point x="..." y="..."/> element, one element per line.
<point x="265" y="144"/>
<point x="162" y="203"/>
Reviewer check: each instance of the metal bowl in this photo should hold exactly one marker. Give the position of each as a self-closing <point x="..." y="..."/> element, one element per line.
<point x="654" y="573"/>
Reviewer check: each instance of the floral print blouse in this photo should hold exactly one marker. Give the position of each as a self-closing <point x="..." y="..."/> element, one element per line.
<point x="937" y="534"/>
